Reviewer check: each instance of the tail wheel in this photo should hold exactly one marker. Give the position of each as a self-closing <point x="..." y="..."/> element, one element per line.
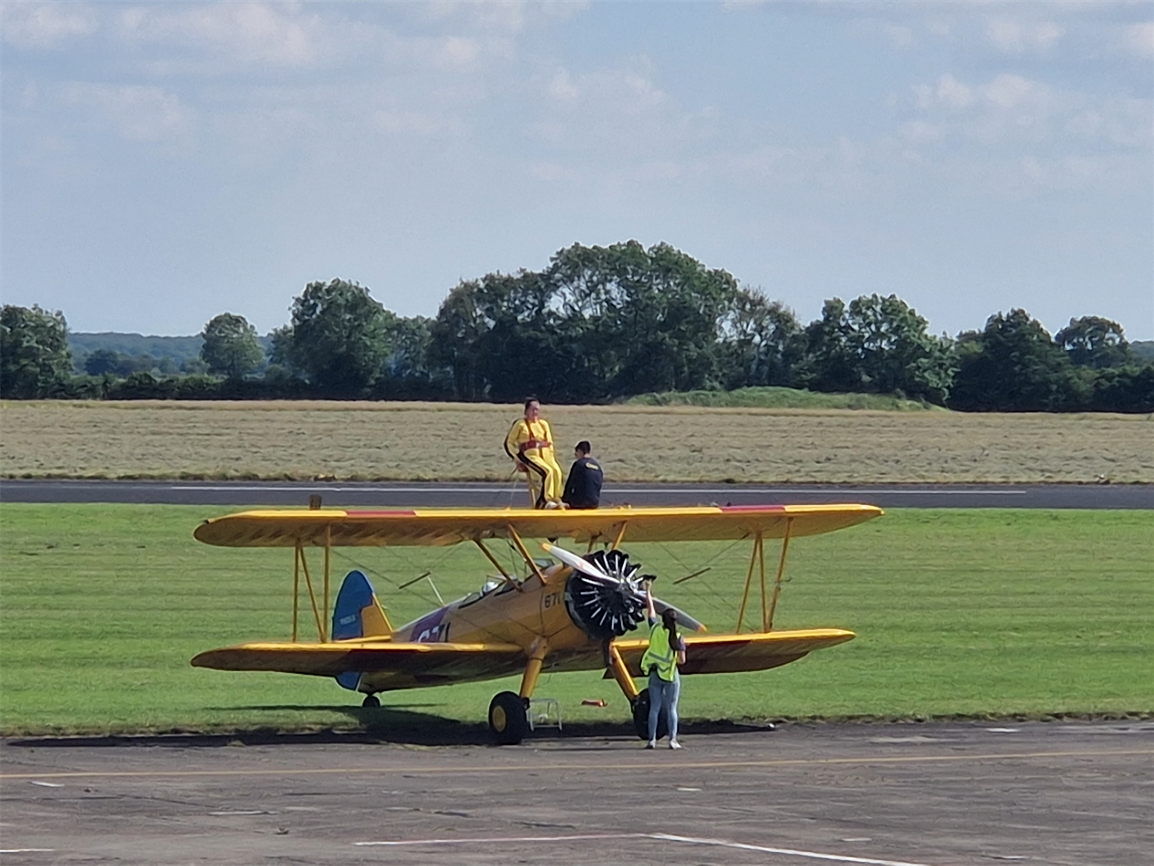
<point x="371" y="702"/>
<point x="509" y="718"/>
<point x="641" y="717"/>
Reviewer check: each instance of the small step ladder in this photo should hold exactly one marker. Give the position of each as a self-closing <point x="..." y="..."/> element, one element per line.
<point x="544" y="713"/>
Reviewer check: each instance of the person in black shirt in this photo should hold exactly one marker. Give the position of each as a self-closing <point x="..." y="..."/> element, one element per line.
<point x="583" y="488"/>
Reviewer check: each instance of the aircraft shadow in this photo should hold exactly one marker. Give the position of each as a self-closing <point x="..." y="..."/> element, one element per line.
<point x="388" y="724"/>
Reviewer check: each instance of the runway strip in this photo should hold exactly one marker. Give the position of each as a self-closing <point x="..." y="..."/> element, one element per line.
<point x="640" y="765"/>
<point x="508" y="494"/>
<point x="660" y="837"/>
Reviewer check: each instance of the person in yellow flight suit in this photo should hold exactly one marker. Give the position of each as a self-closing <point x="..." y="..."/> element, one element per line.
<point x="530" y="444"/>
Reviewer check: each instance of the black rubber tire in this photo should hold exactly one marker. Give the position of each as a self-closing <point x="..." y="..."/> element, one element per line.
<point x="641" y="717"/>
<point x="509" y="718"/>
<point x="371" y="702"/>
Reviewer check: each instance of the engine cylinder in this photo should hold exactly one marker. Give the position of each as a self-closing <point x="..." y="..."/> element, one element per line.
<point x="602" y="610"/>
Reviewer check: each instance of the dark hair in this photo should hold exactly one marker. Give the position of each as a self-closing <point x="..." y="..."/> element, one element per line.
<point x="584" y="447"/>
<point x="669" y="620"/>
<point x="529" y="400"/>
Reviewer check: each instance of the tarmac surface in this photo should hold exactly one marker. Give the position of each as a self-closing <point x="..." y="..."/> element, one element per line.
<point x="408" y="494"/>
<point x="929" y="794"/>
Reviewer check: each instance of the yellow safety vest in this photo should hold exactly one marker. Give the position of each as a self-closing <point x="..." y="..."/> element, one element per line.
<point x="660" y="653"/>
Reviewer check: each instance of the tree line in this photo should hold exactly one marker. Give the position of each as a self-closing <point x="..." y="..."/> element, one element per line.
<point x="601" y="324"/>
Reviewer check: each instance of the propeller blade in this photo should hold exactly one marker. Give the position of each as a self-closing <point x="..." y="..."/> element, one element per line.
<point x="682" y="617"/>
<point x="579" y="564"/>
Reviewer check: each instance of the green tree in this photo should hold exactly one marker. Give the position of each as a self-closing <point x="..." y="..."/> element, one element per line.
<point x="896" y="353"/>
<point x="762" y="342"/>
<point x="830" y="363"/>
<point x="649" y="320"/>
<point x="1014" y="366"/>
<point x="34" y="356"/>
<point x="599" y="322"/>
<point x="231" y="347"/>
<point x="1124" y="389"/>
<point x="502" y="339"/>
<point x="877" y="345"/>
<point x="1092" y="341"/>
<point x="101" y="361"/>
<point x="340" y="339"/>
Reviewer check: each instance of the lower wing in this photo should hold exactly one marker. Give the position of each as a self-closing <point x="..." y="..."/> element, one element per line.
<point x="411" y="660"/>
<point x="732" y="653"/>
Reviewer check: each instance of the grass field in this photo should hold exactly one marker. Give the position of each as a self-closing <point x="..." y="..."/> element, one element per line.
<point x="969" y="612"/>
<point x="455" y="441"/>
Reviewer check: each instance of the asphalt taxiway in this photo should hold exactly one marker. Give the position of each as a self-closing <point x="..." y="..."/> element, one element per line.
<point x="378" y="494"/>
<point x="932" y="794"/>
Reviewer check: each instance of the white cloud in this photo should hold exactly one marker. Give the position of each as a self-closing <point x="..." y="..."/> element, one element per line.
<point x="1139" y="39"/>
<point x="249" y="32"/>
<point x="509" y="16"/>
<point x="563" y="88"/>
<point x="1011" y="107"/>
<point x="461" y="51"/>
<point x="417" y="123"/>
<point x="621" y="91"/>
<point x="1121" y="122"/>
<point x="1018" y="37"/>
<point x="741" y="5"/>
<point x="45" y="25"/>
<point x="948" y="92"/>
<point x="921" y="132"/>
<point x="138" y="113"/>
<point x="899" y="35"/>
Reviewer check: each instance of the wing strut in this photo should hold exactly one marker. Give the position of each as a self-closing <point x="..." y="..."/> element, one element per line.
<point x="758" y="553"/>
<point x="780" y="572"/>
<point x="328" y="570"/>
<point x="620" y="534"/>
<point x="520" y="545"/>
<point x="296" y="590"/>
<point x="497" y="565"/>
<point x="757" y="558"/>
<point x="302" y="564"/>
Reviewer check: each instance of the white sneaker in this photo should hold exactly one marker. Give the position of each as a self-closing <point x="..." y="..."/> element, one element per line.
<point x="652" y="744"/>
<point x="673" y="744"/>
<point x="551" y="505"/>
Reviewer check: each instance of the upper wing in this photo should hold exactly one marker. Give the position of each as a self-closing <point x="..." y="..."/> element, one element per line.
<point x="731" y="653"/>
<point x="436" y="527"/>
<point x="410" y="661"/>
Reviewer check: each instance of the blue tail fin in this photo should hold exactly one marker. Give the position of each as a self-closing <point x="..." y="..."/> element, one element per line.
<point x="358" y="614"/>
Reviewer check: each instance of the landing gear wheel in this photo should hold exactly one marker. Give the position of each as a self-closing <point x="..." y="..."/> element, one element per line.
<point x="509" y="718"/>
<point x="371" y="702"/>
<point x="641" y="717"/>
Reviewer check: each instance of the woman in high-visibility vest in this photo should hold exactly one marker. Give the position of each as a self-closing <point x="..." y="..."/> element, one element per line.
<point x="530" y="443"/>
<point x="665" y="652"/>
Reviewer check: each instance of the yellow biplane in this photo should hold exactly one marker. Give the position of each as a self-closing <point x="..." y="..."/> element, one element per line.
<point x="573" y="614"/>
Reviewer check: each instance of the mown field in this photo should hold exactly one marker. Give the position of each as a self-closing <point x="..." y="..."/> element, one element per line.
<point x="447" y="441"/>
<point x="987" y="613"/>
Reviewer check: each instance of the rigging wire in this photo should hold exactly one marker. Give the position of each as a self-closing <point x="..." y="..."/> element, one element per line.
<point x="464" y="615"/>
<point x="705" y="591"/>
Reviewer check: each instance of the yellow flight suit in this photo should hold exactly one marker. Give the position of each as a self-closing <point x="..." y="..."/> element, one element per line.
<point x="526" y="443"/>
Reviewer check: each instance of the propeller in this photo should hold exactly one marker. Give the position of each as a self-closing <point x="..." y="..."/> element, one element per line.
<point x="579" y="563"/>
<point x="682" y="617"/>
<point x="608" y="599"/>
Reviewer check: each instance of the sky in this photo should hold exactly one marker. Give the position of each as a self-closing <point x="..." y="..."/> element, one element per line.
<point x="166" y="162"/>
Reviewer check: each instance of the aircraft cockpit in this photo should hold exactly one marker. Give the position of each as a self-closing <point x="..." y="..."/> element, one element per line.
<point x="494" y="584"/>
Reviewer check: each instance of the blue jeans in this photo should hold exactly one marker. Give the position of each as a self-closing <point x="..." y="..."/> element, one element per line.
<point x="663" y="694"/>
